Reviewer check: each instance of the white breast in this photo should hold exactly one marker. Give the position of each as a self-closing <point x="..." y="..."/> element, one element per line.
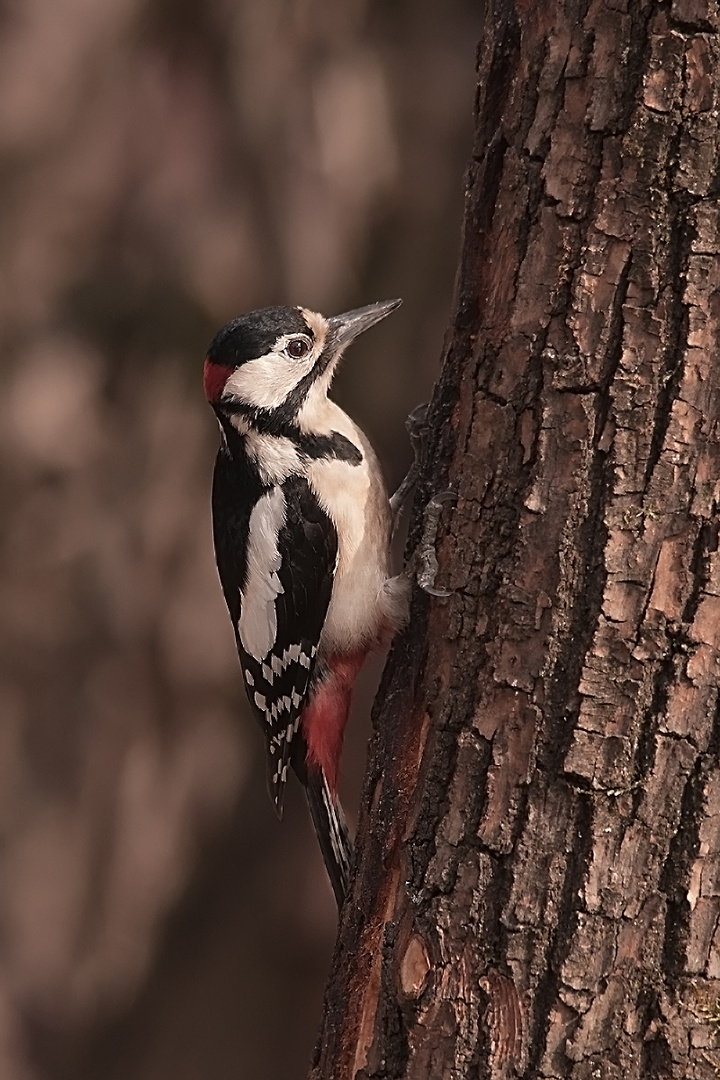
<point x="354" y="496"/>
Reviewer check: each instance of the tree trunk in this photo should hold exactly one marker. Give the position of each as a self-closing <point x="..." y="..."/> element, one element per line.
<point x="538" y="891"/>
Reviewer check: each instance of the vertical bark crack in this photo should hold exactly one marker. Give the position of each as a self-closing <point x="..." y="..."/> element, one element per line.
<point x="682" y="235"/>
<point x="561" y="940"/>
<point x="682" y="852"/>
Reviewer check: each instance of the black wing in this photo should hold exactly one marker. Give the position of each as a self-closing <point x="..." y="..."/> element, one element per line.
<point x="297" y="579"/>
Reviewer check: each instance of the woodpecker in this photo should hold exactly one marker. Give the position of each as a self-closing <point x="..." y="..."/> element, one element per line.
<point x="302" y="525"/>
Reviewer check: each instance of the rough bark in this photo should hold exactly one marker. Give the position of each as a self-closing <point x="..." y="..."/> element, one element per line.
<point x="538" y="891"/>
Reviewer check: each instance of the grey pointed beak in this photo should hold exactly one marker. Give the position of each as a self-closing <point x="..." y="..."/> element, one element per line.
<point x="342" y="329"/>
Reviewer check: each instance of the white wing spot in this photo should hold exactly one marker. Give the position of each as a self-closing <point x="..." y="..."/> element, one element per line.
<point x="249" y="678"/>
<point x="260" y="701"/>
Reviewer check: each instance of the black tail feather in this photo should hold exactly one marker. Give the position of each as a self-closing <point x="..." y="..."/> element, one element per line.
<point x="332" y="832"/>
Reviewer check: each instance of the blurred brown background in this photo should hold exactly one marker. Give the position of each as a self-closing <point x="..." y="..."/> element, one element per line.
<point x="165" y="165"/>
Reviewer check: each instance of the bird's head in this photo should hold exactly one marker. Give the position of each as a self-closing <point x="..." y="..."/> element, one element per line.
<point x="270" y="360"/>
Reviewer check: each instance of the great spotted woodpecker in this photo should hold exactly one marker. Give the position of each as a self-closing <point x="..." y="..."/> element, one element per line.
<point x="302" y="525"/>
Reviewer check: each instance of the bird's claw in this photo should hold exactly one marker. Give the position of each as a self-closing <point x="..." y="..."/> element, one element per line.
<point x="416" y="426"/>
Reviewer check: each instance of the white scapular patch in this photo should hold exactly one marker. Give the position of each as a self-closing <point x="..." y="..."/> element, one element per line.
<point x="258" y="619"/>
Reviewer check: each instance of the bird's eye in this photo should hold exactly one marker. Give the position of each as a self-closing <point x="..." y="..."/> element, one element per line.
<point x="297" y="348"/>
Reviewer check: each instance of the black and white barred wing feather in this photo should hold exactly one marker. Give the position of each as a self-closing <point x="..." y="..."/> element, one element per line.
<point x="284" y="593"/>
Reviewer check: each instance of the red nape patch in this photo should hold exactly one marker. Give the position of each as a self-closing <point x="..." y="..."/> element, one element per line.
<point x="214" y="378"/>
<point x="324" y="719"/>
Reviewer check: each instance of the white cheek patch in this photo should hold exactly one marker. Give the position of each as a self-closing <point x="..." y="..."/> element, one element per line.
<point x="267" y="381"/>
<point x="258" y="619"/>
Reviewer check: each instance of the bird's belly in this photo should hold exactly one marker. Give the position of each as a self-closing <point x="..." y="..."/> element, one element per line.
<point x="360" y="511"/>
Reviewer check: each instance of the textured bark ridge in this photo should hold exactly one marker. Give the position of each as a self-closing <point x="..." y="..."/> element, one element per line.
<point x="539" y="884"/>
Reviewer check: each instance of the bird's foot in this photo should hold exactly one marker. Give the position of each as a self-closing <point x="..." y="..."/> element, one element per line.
<point x="416" y="425"/>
